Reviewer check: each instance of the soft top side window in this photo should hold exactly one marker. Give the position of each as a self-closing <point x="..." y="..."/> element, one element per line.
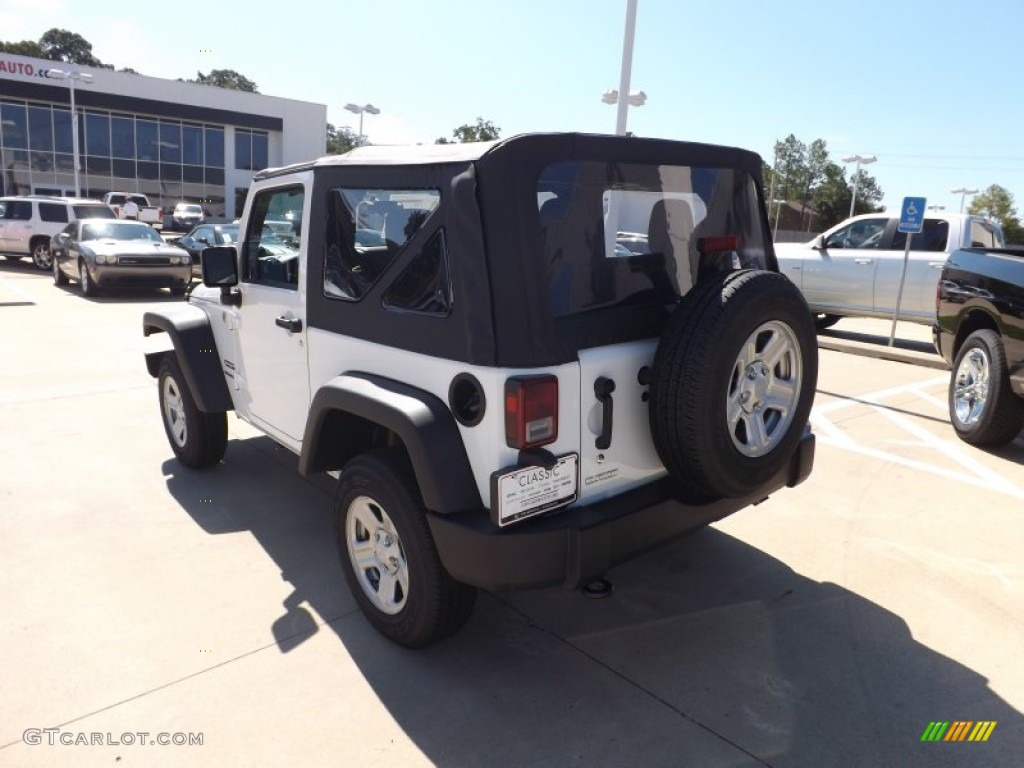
<point x="366" y="230"/>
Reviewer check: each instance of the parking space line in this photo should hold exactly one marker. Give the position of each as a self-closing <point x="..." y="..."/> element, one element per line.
<point x="877" y="397"/>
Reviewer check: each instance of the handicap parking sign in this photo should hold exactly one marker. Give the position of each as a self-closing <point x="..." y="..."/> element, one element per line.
<point x="912" y="215"/>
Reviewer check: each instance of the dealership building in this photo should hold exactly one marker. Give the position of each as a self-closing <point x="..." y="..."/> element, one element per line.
<point x="173" y="141"/>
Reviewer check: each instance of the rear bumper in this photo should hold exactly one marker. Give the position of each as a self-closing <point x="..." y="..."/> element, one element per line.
<point x="578" y="545"/>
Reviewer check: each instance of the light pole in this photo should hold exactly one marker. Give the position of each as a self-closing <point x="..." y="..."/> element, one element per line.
<point x="860" y="160"/>
<point x="365" y="109"/>
<point x="963" y="192"/>
<point x="936" y="207"/>
<point x="612" y="97"/>
<point x="778" y="213"/>
<point x="71" y="76"/>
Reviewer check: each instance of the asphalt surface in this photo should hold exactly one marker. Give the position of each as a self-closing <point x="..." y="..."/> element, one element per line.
<point x="827" y="626"/>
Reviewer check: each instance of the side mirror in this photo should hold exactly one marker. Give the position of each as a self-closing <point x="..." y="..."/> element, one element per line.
<point x="202" y="240"/>
<point x="220" y="270"/>
<point x="818" y="243"/>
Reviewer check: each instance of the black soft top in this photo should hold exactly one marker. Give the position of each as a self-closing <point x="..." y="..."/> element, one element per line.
<point x="503" y="315"/>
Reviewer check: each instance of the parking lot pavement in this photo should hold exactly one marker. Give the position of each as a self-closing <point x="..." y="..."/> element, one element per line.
<point x="826" y="627"/>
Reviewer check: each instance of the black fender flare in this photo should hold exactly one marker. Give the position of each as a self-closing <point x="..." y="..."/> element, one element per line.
<point x="196" y="351"/>
<point x="421" y="421"/>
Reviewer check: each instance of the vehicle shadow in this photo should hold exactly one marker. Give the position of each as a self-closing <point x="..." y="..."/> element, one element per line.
<point x="120" y="295"/>
<point x="710" y="652"/>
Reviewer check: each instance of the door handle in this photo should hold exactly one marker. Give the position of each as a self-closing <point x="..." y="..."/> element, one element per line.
<point x="603" y="388"/>
<point x="862" y="261"/>
<point x="937" y="264"/>
<point x="292" y="324"/>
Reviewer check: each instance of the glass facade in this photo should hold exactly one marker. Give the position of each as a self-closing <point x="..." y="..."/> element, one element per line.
<point x="168" y="160"/>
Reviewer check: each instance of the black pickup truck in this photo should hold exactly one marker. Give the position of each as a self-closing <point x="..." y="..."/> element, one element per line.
<point x="979" y="330"/>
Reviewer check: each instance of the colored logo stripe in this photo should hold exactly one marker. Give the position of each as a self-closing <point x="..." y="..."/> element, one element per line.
<point x="934" y="731"/>
<point x="958" y="730"/>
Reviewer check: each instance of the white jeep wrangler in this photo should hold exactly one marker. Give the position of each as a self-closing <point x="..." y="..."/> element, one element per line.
<point x="529" y="359"/>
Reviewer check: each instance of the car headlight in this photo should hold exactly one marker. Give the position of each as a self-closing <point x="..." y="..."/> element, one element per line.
<point x="102" y="258"/>
<point x="185" y="259"/>
<point x="175" y="259"/>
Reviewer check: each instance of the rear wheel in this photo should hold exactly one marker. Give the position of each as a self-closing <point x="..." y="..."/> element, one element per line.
<point x="983" y="408"/>
<point x="822" y="321"/>
<point x="388" y="555"/>
<point x="41" y="254"/>
<point x="732" y="383"/>
<point x="198" y="439"/>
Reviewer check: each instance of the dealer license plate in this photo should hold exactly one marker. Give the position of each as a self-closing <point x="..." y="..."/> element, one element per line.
<point x="530" y="491"/>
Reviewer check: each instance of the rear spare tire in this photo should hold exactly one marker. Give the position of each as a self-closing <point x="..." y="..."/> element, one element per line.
<point x="732" y="383"/>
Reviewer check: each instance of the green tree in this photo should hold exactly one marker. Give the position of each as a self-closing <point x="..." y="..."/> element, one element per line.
<point x="226" y="78"/>
<point x="69" y="47"/>
<point x="340" y="140"/>
<point x="483" y="130"/>
<point x="833" y="194"/>
<point x="996" y="203"/>
<point x="23" y="48"/>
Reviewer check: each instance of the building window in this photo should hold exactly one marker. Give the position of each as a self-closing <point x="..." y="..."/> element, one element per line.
<point x="170" y="142"/>
<point x="40" y="129"/>
<point x="97" y="135"/>
<point x="214" y="141"/>
<point x="14" y="123"/>
<point x="146" y="145"/>
<point x="122" y="137"/>
<point x="250" y="150"/>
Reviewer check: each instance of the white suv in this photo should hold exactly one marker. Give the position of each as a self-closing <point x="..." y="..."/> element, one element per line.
<point x="530" y="360"/>
<point x="28" y="223"/>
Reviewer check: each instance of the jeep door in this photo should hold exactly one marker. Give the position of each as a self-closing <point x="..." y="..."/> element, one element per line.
<point x="272" y="318"/>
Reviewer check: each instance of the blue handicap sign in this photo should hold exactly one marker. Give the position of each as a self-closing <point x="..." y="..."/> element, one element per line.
<point x="912" y="215"/>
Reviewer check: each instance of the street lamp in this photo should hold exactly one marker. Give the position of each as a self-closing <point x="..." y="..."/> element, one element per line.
<point x="936" y="207"/>
<point x="71" y="76"/>
<point x="860" y="160"/>
<point x="963" y="192"/>
<point x="365" y="109"/>
<point x="612" y="96"/>
<point x="778" y="213"/>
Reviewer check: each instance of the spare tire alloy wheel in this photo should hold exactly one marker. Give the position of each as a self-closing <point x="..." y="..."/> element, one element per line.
<point x="388" y="555"/>
<point x="732" y="383"/>
<point x="983" y="408"/>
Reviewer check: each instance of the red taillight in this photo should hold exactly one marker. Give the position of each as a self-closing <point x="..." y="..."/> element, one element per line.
<point x="720" y="244"/>
<point x="531" y="411"/>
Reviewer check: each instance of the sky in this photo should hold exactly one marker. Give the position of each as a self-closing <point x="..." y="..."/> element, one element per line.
<point x="933" y="89"/>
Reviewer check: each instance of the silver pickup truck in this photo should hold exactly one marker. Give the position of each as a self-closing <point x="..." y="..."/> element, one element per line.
<point x="853" y="269"/>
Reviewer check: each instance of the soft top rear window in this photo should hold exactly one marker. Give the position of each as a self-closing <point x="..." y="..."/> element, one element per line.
<point x="619" y="234"/>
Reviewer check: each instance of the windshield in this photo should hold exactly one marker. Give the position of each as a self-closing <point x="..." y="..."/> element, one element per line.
<point x="119" y="230"/>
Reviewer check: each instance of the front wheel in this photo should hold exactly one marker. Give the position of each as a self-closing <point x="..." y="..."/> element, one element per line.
<point x="85" y="281"/>
<point x="983" y="408"/>
<point x="41" y="255"/>
<point x="198" y="439"/>
<point x="59" y="278"/>
<point x="388" y="555"/>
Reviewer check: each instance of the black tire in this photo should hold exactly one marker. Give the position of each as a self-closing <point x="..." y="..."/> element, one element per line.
<point x="821" y="322"/>
<point x="179" y="290"/>
<point x="59" y="278"/>
<point x="41" y="255"/>
<point x="85" y="282"/>
<point x="710" y="368"/>
<point x="378" y="496"/>
<point x="983" y="408"/>
<point x="198" y="439"/>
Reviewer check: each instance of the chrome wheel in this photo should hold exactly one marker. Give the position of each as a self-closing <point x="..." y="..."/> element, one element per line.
<point x="971" y="387"/>
<point x="174" y="412"/>
<point x="377" y="555"/>
<point x="764" y="389"/>
<point x="41" y="255"/>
